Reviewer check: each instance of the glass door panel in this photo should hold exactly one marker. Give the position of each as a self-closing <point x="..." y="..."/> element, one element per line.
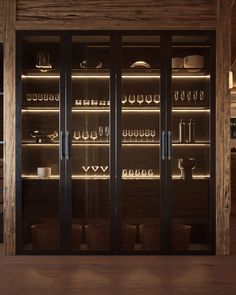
<point x="191" y="142"/>
<point x="140" y="98"/>
<point x="40" y="142"/>
<point x="90" y="131"/>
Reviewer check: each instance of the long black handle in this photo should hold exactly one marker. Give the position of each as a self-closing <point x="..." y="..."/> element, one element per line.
<point x="163" y="145"/>
<point x="67" y="145"/>
<point x="169" y="145"/>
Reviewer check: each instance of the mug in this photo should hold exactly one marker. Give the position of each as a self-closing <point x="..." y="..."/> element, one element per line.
<point x="44" y="172"/>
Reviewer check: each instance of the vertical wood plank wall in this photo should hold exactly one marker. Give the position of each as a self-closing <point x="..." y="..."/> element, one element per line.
<point x="120" y="15"/>
<point x="9" y="130"/>
<point x="1" y="20"/>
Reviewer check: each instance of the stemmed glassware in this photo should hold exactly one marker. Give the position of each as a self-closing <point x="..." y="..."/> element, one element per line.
<point x="153" y="133"/>
<point x="100" y="132"/>
<point x="104" y="168"/>
<point x="140" y="99"/>
<point x="76" y="135"/>
<point x="95" y="168"/>
<point x="124" y="99"/>
<point x="130" y="134"/>
<point x="124" y="133"/>
<point x="85" y="135"/>
<point x="147" y="133"/>
<point x="148" y="98"/>
<point x="156" y="98"/>
<point x="188" y="95"/>
<point x="93" y="135"/>
<point x="195" y="95"/>
<point x="132" y="99"/>
<point x="182" y="95"/>
<point x="201" y="95"/>
<point x="106" y="131"/>
<point x="141" y="133"/>
<point x="176" y="95"/>
<point x="86" y="168"/>
<point x="136" y="134"/>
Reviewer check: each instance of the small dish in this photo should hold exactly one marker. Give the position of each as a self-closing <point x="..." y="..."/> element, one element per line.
<point x="140" y="64"/>
<point x="89" y="65"/>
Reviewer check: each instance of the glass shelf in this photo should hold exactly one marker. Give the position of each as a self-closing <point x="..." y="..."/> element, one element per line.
<point x="103" y="177"/>
<point x="106" y="109"/>
<point x="124" y="143"/>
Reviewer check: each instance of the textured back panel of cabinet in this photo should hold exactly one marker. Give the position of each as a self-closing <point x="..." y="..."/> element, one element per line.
<point x="112" y="14"/>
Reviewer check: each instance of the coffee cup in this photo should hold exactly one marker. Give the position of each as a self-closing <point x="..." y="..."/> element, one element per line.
<point x="44" y="172"/>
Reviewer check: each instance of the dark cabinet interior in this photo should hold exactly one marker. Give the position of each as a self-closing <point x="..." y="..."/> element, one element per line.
<point x="115" y="142"/>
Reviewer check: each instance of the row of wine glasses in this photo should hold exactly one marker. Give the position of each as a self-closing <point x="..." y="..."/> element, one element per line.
<point x="36" y="97"/>
<point x="101" y="134"/>
<point x="94" y="169"/>
<point x="92" y="102"/>
<point x="138" y="134"/>
<point x="188" y="96"/>
<point x="140" y="99"/>
<point x="137" y="172"/>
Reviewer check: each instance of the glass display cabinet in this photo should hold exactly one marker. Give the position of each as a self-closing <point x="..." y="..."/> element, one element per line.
<point x="115" y="142"/>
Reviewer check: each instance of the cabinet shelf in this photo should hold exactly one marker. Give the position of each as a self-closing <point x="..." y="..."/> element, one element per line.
<point x="103" y="177"/>
<point x="124" y="143"/>
<point x="106" y="109"/>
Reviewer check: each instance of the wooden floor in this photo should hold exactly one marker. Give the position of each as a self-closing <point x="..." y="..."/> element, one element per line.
<point x="123" y="275"/>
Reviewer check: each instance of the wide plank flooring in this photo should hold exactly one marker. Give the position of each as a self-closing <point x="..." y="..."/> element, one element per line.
<point x="120" y="275"/>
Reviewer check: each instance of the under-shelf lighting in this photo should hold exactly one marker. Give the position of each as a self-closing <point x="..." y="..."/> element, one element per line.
<point x="40" y="76"/>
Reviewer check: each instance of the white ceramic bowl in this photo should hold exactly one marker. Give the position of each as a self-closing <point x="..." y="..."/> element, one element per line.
<point x="193" y="63"/>
<point x="44" y="172"/>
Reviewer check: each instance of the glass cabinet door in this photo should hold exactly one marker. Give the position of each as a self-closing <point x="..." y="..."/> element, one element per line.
<point x="39" y="157"/>
<point x="140" y="121"/>
<point x="90" y="134"/>
<point x="192" y="118"/>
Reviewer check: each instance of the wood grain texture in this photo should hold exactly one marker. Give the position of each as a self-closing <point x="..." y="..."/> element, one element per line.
<point x="9" y="127"/>
<point x="1" y="20"/>
<point x="223" y="155"/>
<point x="114" y="15"/>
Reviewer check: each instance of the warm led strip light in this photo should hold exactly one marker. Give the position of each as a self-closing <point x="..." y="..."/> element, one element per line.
<point x="153" y="177"/>
<point x="108" y="76"/>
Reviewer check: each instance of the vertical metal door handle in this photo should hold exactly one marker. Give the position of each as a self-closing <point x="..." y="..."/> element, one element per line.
<point x="67" y="145"/>
<point x="163" y="145"/>
<point x="169" y="145"/>
<point x="61" y="145"/>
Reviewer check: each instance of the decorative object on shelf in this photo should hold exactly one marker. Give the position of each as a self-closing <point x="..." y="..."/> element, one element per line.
<point x="193" y="63"/>
<point x="177" y="64"/>
<point x="140" y="64"/>
<point x="43" y="137"/>
<point x="186" y="167"/>
<point x="43" y="62"/>
<point x="191" y="131"/>
<point x="44" y="172"/>
<point x="89" y="65"/>
<point x="182" y="131"/>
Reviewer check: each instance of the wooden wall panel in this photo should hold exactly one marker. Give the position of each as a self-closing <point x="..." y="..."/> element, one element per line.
<point x="223" y="153"/>
<point x="9" y="127"/>
<point x="113" y="14"/>
<point x="1" y="20"/>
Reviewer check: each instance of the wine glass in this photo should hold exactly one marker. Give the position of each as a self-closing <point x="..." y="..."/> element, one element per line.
<point x="188" y="95"/>
<point x="176" y="95"/>
<point x="201" y="95"/>
<point x="124" y="133"/>
<point x="148" y="98"/>
<point x="93" y="135"/>
<point x="141" y="133"/>
<point x="76" y="135"/>
<point x="156" y="98"/>
<point x="136" y="134"/>
<point x="153" y="133"/>
<point x="132" y="99"/>
<point x="147" y="133"/>
<point x="85" y="135"/>
<point x="106" y="129"/>
<point x="95" y="168"/>
<point x="182" y="95"/>
<point x="100" y="132"/>
<point x="86" y="168"/>
<point x="124" y="99"/>
<point x="130" y="134"/>
<point x="56" y="96"/>
<point x="150" y="172"/>
<point x="195" y="95"/>
<point x="104" y="168"/>
<point x="140" y="99"/>
<point x="137" y="172"/>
